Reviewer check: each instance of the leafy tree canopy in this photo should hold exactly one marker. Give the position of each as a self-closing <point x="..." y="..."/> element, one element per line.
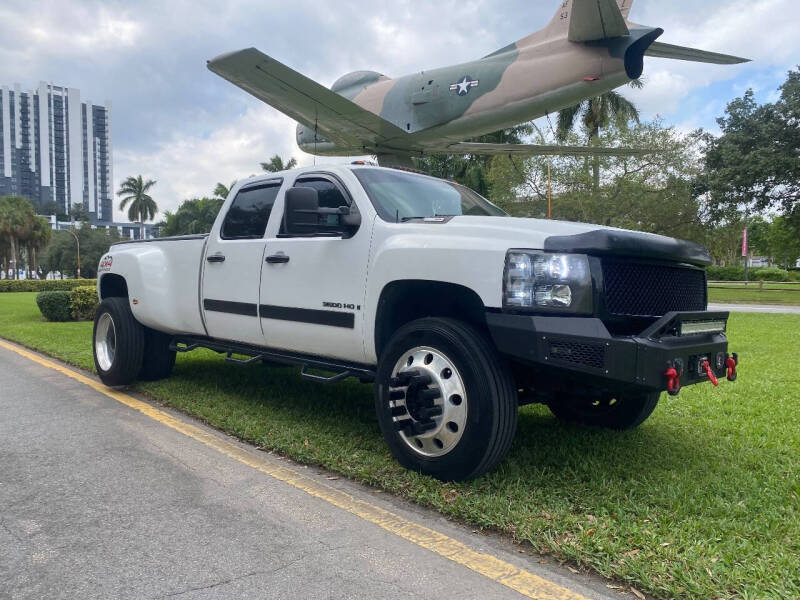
<point x="193" y="216"/>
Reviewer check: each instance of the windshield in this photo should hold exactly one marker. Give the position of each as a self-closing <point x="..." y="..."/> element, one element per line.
<point x="398" y="195"/>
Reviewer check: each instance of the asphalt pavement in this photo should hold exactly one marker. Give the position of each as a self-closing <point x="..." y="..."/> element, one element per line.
<point x="756" y="308"/>
<point x="100" y="500"/>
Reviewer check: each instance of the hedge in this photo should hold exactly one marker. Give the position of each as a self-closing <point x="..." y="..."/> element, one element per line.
<point x="83" y="302"/>
<point x="737" y="274"/>
<point x="43" y="285"/>
<point x="54" y="305"/>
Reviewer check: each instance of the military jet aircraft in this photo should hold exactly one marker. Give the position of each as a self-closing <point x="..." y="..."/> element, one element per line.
<point x="589" y="48"/>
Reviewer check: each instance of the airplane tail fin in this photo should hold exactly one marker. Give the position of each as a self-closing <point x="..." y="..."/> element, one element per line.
<point x="605" y="22"/>
<point x="590" y="20"/>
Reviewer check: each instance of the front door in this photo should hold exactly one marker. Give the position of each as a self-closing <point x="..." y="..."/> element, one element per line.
<point x="312" y="288"/>
<point x="232" y="267"/>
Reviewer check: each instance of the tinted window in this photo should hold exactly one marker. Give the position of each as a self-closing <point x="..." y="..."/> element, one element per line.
<point x="401" y="195"/>
<point x="330" y="196"/>
<point x="248" y="215"/>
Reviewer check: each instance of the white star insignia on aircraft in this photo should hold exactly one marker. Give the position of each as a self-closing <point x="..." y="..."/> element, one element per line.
<point x="463" y="87"/>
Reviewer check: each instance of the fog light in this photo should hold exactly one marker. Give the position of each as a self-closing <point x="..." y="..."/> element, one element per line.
<point x="702" y="327"/>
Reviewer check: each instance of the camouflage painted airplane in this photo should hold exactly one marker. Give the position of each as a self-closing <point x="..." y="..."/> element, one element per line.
<point x="589" y="48"/>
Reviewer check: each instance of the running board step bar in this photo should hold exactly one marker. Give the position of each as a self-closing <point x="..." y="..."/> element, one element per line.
<point x="342" y="370"/>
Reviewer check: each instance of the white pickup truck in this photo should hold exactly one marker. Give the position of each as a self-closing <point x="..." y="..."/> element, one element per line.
<point x="457" y="312"/>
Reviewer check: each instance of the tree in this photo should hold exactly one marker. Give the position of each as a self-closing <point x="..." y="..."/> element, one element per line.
<point x="193" y="216"/>
<point x="653" y="192"/>
<point x="753" y="166"/>
<point x="61" y="253"/>
<point x="222" y="191"/>
<point x="276" y="164"/>
<point x="40" y="237"/>
<point x="79" y="212"/>
<point x="472" y="170"/>
<point x="595" y="114"/>
<point x="143" y="208"/>
<point x="17" y="220"/>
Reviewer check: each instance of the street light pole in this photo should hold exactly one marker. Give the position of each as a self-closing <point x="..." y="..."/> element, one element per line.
<point x="78" y="242"/>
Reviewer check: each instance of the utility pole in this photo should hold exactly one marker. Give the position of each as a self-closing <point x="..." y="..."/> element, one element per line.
<point x="549" y="191"/>
<point x="78" y="242"/>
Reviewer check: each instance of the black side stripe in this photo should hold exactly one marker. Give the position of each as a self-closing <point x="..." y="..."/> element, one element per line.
<point x="306" y="315"/>
<point x="234" y="308"/>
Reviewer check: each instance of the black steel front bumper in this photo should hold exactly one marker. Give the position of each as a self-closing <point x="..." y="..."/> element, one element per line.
<point x="583" y="346"/>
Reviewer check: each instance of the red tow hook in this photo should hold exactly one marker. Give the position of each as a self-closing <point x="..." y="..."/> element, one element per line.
<point x="731" y="363"/>
<point x="706" y="366"/>
<point x="673" y="381"/>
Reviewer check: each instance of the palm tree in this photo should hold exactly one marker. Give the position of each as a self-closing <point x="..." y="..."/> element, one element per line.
<point x="222" y="191"/>
<point x="276" y="164"/>
<point x="39" y="238"/>
<point x="142" y="206"/>
<point x="16" y="222"/>
<point x="595" y="114"/>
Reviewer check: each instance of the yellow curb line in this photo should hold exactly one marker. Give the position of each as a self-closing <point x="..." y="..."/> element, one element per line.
<point x="489" y="566"/>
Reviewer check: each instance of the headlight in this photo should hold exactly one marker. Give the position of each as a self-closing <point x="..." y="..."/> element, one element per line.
<point x="548" y="282"/>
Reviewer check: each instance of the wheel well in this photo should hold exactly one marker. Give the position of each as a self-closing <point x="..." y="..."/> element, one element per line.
<point x="404" y="301"/>
<point x="113" y="286"/>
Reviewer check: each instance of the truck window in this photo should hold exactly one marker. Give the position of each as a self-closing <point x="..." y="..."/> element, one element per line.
<point x="399" y="195"/>
<point x="248" y="215"/>
<point x="330" y="196"/>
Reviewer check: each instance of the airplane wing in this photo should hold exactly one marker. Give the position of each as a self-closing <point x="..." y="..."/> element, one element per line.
<point x="593" y="20"/>
<point x="540" y="150"/>
<point x="661" y="50"/>
<point x="335" y="118"/>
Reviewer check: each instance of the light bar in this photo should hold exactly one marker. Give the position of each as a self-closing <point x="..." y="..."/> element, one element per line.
<point x="702" y="327"/>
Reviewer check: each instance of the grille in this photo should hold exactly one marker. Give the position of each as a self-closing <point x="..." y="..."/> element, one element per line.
<point x="588" y="355"/>
<point x="638" y="289"/>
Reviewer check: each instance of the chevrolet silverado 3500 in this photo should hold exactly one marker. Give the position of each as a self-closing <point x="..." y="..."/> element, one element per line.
<point x="457" y="312"/>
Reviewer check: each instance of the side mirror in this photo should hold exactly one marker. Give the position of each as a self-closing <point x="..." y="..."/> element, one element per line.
<point x="303" y="216"/>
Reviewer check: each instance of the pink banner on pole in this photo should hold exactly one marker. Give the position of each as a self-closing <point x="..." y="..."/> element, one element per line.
<point x="744" y="243"/>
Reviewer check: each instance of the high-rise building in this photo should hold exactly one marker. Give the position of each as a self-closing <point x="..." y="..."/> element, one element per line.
<point x="56" y="150"/>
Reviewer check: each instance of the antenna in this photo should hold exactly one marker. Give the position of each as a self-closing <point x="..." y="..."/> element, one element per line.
<point x="316" y="125"/>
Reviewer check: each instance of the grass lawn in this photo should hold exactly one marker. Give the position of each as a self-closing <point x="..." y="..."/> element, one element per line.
<point x="773" y="294"/>
<point x="703" y="501"/>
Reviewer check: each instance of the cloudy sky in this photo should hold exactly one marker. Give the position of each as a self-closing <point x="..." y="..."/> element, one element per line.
<point x="175" y="121"/>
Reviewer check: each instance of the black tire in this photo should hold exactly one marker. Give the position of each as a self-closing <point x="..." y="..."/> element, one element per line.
<point x="158" y="360"/>
<point x="122" y="365"/>
<point x="619" y="412"/>
<point x="490" y="402"/>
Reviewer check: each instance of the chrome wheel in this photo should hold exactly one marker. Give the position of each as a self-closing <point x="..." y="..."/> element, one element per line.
<point x="428" y="401"/>
<point x="105" y="341"/>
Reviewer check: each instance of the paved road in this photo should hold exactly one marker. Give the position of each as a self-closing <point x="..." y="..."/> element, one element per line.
<point x="98" y="500"/>
<point x="756" y="308"/>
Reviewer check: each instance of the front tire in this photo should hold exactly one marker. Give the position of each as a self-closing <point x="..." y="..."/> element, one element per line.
<point x="618" y="411"/>
<point x="446" y="401"/>
<point x="118" y="342"/>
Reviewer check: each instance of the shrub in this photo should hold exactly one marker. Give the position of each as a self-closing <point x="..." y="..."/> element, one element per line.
<point x="737" y="274"/>
<point x="43" y="285"/>
<point x="83" y="301"/>
<point x="769" y="274"/>
<point x="54" y="305"/>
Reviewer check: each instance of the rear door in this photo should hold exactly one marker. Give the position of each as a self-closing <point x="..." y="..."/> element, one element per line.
<point x="312" y="287"/>
<point x="232" y="265"/>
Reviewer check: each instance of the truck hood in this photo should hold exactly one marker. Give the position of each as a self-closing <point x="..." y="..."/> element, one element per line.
<point x="518" y="228"/>
<point x="562" y="236"/>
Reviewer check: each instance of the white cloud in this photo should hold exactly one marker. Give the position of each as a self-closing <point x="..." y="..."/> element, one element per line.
<point x="188" y="164"/>
<point x="176" y="122"/>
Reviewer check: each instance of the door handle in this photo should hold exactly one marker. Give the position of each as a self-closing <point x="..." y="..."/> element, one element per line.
<point x="277" y="259"/>
<point x="216" y="258"/>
